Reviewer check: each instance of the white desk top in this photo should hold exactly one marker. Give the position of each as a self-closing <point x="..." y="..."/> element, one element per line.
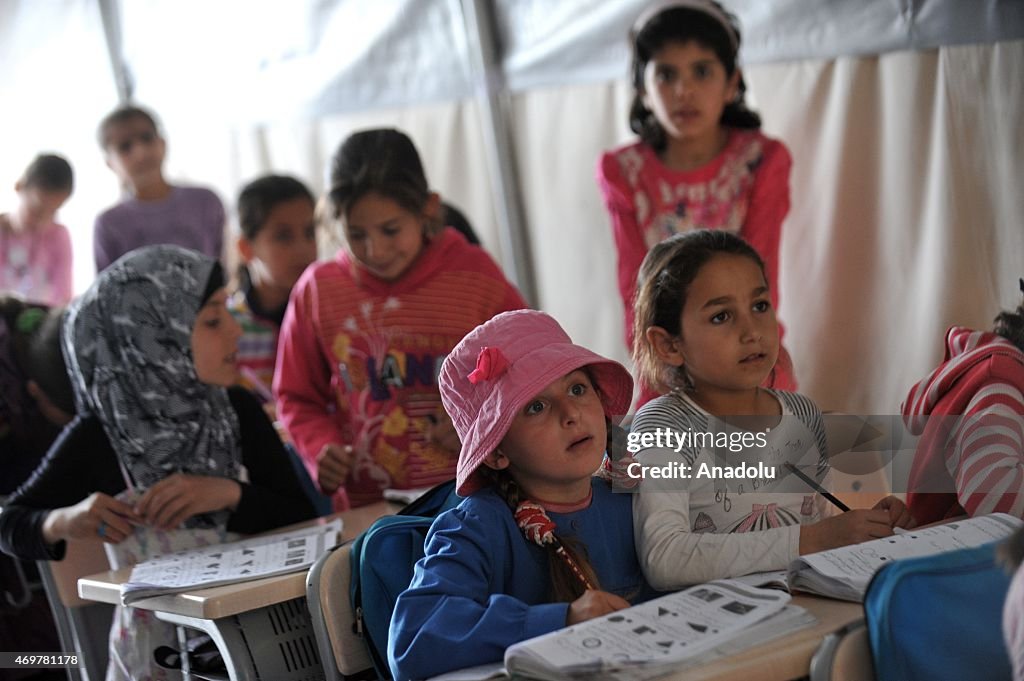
<point x="230" y="599"/>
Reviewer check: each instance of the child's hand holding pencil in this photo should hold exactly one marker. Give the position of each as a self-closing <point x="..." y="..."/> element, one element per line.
<point x="851" y="527"/>
<point x="899" y="515"/>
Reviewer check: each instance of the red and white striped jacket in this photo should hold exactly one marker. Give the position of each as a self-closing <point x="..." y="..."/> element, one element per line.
<point x="969" y="413"/>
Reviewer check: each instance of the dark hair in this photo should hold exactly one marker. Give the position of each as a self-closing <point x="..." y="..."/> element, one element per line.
<point x="1010" y="325"/>
<point x="382" y="161"/>
<point x="258" y="198"/>
<point x="453" y="217"/>
<point x="662" y="284"/>
<point x="681" y="25"/>
<point x="565" y="585"/>
<point x="35" y="342"/>
<point x="122" y="115"/>
<point x="49" y="172"/>
<point x="215" y="281"/>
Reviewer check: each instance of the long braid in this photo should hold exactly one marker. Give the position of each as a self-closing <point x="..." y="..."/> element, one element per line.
<point x="508" y="489"/>
<point x="538" y="527"/>
<point x="570" y="570"/>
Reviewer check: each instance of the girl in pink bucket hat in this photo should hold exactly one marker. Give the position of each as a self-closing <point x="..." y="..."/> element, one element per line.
<point x="539" y="543"/>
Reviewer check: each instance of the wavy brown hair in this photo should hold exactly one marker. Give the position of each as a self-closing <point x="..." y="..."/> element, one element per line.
<point x="1010" y="323"/>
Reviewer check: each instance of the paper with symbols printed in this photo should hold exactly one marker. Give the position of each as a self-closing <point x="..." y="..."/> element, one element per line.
<point x="254" y="558"/>
<point x="844" y="573"/>
<point x="673" y="632"/>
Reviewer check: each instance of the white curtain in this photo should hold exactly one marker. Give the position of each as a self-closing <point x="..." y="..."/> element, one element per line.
<point x="906" y="210"/>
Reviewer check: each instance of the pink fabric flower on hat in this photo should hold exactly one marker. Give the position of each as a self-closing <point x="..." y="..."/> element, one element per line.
<point x="490" y="364"/>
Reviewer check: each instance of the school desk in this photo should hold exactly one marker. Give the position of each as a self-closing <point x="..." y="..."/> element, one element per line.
<point x="261" y="627"/>
<point x="263" y="631"/>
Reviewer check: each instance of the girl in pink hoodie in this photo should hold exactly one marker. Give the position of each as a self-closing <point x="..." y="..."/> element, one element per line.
<point x="970" y="458"/>
<point x="365" y="333"/>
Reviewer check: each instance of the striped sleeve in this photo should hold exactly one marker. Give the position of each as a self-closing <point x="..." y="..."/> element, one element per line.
<point x="986" y="460"/>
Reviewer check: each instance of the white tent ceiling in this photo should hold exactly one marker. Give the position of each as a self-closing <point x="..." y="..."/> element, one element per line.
<point x="264" y="60"/>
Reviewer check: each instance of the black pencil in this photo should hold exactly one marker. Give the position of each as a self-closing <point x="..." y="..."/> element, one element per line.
<point x="818" y="488"/>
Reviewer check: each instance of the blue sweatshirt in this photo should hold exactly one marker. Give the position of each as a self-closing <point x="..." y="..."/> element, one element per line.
<point x="481" y="587"/>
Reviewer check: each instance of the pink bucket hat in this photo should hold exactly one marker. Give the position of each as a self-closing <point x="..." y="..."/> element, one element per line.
<point x="491" y="374"/>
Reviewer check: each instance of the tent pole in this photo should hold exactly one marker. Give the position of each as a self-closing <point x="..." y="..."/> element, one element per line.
<point x="115" y="49"/>
<point x="492" y="97"/>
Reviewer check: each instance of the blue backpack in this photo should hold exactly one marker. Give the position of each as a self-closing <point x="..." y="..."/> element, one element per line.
<point x="382" y="566"/>
<point x="939" y="617"/>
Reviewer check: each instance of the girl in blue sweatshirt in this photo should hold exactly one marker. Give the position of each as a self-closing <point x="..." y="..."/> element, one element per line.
<point x="539" y="543"/>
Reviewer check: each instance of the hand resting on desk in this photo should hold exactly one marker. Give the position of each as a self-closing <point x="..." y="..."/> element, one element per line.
<point x="593" y="604"/>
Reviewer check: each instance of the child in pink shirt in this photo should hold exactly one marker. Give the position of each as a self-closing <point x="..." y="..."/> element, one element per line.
<point x="366" y="332"/>
<point x="701" y="161"/>
<point x="35" y="251"/>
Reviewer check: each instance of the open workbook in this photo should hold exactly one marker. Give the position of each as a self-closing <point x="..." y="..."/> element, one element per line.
<point x="670" y="633"/>
<point x="264" y="556"/>
<point x="844" y="573"/>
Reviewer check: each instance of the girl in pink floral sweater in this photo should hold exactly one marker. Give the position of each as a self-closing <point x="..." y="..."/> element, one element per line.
<point x="701" y="161"/>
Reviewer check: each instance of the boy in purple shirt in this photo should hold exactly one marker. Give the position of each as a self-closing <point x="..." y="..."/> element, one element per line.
<point x="156" y="212"/>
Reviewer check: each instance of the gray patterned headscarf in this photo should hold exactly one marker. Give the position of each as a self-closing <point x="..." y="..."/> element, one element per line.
<point x="127" y="342"/>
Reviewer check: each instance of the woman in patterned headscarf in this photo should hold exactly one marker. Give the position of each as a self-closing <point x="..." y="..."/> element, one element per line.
<point x="163" y="454"/>
<point x="129" y="343"/>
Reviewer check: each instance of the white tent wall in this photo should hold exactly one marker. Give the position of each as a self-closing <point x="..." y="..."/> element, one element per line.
<point x="905" y="217"/>
<point x="906" y="201"/>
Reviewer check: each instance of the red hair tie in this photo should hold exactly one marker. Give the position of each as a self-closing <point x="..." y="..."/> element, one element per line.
<point x="490" y="364"/>
<point x="533" y="520"/>
<point x="539" y="528"/>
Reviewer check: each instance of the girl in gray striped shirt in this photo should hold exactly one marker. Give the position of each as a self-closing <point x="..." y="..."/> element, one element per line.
<point x="716" y="497"/>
